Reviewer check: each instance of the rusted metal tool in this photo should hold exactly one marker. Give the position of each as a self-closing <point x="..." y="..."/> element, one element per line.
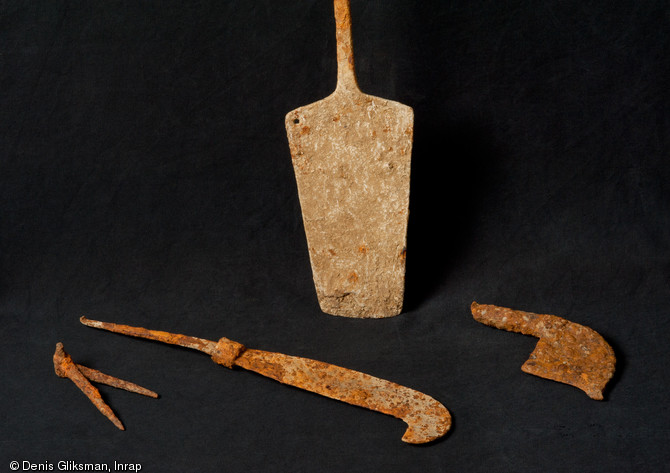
<point x="566" y="352"/>
<point x="426" y="418"/>
<point x="351" y="157"/>
<point x="80" y="375"/>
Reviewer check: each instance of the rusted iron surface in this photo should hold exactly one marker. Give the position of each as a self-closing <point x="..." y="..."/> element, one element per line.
<point x="173" y="338"/>
<point x="80" y="375"/>
<point x="426" y="418"/>
<point x="567" y="352"/>
<point x="351" y="156"/>
<point x="102" y="378"/>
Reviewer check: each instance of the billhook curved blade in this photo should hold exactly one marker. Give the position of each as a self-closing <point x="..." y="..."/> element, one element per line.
<point x="567" y="352"/>
<point x="427" y="419"/>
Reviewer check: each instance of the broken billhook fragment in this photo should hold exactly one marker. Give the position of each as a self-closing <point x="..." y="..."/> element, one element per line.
<point x="567" y="352"/>
<point x="426" y="418"/>
<point x="80" y="375"/>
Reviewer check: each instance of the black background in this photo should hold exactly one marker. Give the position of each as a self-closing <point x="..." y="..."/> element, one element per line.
<point x="145" y="178"/>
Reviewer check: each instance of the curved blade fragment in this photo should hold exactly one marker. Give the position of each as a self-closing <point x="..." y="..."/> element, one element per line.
<point x="567" y="352"/>
<point x="427" y="419"/>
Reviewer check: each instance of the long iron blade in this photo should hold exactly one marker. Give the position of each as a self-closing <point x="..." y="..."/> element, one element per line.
<point x="427" y="419"/>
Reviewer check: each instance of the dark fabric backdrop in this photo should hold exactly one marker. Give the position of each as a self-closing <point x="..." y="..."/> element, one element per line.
<point x="145" y="178"/>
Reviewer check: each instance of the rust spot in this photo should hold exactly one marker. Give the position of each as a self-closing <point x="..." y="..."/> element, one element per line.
<point x="353" y="277"/>
<point x="332" y="251"/>
<point x="305" y="130"/>
<point x="374" y="133"/>
<point x="566" y="352"/>
<point x="342" y="172"/>
<point x="336" y="118"/>
<point x="363" y="249"/>
<point x="359" y="395"/>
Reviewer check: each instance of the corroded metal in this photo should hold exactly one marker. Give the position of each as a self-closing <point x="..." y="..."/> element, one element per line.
<point x="426" y="418"/>
<point x="567" y="352"/>
<point x="80" y="375"/>
<point x="351" y="156"/>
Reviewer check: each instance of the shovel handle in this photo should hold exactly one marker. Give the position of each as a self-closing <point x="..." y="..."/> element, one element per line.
<point x="346" y="75"/>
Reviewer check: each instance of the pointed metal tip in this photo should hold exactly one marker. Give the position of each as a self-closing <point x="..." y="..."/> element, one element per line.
<point x="117" y="423"/>
<point x="92" y="323"/>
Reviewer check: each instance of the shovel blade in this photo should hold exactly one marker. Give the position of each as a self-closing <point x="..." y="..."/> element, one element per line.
<point x="351" y="156"/>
